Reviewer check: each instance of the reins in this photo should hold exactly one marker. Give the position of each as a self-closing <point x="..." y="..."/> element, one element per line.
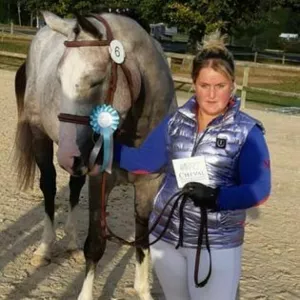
<point x="203" y="234"/>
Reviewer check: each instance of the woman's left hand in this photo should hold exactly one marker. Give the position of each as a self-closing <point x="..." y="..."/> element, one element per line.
<point x="202" y="195"/>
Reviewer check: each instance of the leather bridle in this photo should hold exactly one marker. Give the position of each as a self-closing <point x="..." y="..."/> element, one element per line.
<point x="85" y="120"/>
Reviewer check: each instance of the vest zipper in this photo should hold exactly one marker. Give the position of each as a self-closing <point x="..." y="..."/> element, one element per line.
<point x="199" y="141"/>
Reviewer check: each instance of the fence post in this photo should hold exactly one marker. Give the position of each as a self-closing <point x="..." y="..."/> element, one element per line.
<point x="169" y="59"/>
<point x="2" y="34"/>
<point x="245" y="84"/>
<point x="255" y="56"/>
<point x="11" y="27"/>
<point x="283" y="58"/>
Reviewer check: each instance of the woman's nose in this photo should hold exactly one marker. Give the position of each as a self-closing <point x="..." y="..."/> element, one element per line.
<point x="212" y="92"/>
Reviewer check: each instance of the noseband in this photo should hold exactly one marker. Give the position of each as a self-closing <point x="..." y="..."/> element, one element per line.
<point x="84" y="120"/>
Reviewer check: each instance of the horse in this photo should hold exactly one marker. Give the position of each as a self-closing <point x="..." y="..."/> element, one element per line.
<point x="73" y="66"/>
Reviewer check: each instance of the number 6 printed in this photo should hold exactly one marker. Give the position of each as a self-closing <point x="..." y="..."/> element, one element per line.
<point x="117" y="51"/>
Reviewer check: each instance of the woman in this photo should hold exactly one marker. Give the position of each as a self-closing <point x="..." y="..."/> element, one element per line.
<point x="222" y="151"/>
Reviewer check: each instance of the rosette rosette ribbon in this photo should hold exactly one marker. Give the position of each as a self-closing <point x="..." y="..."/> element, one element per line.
<point x="104" y="120"/>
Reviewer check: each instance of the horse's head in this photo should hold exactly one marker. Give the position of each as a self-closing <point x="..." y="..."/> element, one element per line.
<point x="90" y="75"/>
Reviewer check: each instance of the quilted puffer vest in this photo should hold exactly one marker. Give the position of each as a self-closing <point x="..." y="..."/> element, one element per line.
<point x="225" y="228"/>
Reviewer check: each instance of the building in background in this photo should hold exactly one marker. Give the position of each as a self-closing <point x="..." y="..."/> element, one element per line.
<point x="160" y="31"/>
<point x="289" y="36"/>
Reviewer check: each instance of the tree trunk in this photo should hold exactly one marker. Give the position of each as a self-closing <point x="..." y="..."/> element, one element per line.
<point x="8" y="10"/>
<point x="37" y="21"/>
<point x="19" y="12"/>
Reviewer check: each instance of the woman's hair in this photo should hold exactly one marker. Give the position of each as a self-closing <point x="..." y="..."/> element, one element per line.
<point x="214" y="54"/>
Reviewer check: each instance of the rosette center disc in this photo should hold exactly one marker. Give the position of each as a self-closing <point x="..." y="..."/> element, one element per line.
<point x="105" y="119"/>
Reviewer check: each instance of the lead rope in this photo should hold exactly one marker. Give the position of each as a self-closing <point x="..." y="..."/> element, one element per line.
<point x="203" y="233"/>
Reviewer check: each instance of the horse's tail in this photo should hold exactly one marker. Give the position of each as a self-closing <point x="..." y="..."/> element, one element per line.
<point x="24" y="154"/>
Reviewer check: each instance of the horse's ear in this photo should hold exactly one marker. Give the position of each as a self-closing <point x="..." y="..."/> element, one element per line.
<point x="88" y="26"/>
<point x="56" y="23"/>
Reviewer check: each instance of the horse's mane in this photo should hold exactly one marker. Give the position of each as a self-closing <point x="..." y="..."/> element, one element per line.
<point x="128" y="12"/>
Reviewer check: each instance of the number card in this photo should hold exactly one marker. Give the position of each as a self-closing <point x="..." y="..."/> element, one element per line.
<point x="192" y="169"/>
<point x="117" y="51"/>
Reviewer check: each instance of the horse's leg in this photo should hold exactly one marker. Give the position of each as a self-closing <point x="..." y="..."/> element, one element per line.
<point x="43" y="153"/>
<point x="144" y="193"/>
<point x="95" y="243"/>
<point x="75" y="184"/>
<point x="141" y="281"/>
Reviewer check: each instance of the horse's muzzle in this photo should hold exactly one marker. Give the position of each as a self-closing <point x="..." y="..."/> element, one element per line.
<point x="79" y="168"/>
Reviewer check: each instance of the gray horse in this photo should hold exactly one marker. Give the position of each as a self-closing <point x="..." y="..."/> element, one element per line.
<point x="70" y="79"/>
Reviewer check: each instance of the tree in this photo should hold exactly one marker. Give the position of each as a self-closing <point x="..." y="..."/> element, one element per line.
<point x="6" y="11"/>
<point x="200" y="17"/>
<point x="19" y="12"/>
<point x="193" y="17"/>
<point x="273" y="18"/>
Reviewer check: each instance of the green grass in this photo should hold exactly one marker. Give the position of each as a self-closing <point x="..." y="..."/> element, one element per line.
<point x="180" y="38"/>
<point x="281" y="80"/>
<point x="16" y="46"/>
<point x="293" y="86"/>
<point x="8" y="63"/>
<point x="272" y="99"/>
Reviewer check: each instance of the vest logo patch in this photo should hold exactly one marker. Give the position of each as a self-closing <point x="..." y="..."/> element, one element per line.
<point x="221" y="143"/>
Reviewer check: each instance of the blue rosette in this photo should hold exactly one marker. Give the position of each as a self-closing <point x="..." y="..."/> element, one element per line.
<point x="104" y="120"/>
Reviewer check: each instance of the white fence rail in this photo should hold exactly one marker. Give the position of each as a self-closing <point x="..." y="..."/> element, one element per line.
<point x="244" y="88"/>
<point x="13" y="55"/>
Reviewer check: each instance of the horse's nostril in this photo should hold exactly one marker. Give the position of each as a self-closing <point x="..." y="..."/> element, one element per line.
<point x="77" y="162"/>
<point x="78" y="165"/>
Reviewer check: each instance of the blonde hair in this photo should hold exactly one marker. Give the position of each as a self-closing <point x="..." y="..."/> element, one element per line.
<point x="213" y="53"/>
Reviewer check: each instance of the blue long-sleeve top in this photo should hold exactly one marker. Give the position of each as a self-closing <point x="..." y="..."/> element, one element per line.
<point x="253" y="166"/>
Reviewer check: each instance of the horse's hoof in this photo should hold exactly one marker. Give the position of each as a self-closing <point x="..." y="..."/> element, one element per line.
<point x="84" y="297"/>
<point x="139" y="295"/>
<point x="78" y="256"/>
<point x="146" y="297"/>
<point x="40" y="261"/>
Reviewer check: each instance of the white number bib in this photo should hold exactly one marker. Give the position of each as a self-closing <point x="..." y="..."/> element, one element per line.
<point x="117" y="51"/>
<point x="190" y="169"/>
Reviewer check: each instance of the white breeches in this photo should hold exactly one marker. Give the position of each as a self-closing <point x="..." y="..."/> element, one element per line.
<point x="175" y="271"/>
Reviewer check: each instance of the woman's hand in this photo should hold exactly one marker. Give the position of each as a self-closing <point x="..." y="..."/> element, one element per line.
<point x="202" y="195"/>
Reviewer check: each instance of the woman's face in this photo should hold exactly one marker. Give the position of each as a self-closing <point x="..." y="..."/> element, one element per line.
<point x="213" y="91"/>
